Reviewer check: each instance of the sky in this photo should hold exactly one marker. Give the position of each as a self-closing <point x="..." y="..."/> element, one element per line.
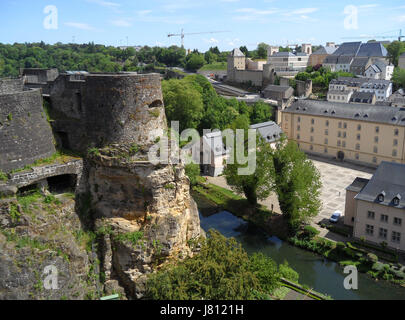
<point x="241" y="22"/>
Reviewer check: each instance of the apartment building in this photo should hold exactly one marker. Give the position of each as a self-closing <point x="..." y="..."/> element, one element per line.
<point x="341" y="89"/>
<point x="287" y="64"/>
<point x="380" y="70"/>
<point x="363" y="133"/>
<point x="320" y="55"/>
<point x="376" y="208"/>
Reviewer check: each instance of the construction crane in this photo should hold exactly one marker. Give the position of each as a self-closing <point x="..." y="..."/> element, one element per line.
<point x="182" y="35"/>
<point x="400" y="36"/>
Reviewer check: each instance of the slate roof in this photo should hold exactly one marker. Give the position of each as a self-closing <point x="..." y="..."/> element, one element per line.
<point x="283" y="54"/>
<point x="372" y="49"/>
<point x="325" y="50"/>
<point x="344" y="59"/>
<point x="360" y="61"/>
<point x="362" y="97"/>
<point x="268" y="130"/>
<point x="348" y="49"/>
<point x="350" y="111"/>
<point x="236" y="53"/>
<point x="387" y="180"/>
<point x="358" y="184"/>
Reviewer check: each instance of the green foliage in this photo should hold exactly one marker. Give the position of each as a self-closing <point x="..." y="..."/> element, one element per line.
<point x="398" y="78"/>
<point x="14" y="213"/>
<point x="297" y="184"/>
<point x="183" y="103"/>
<point x="194" y="61"/>
<point x="194" y="102"/>
<point x="287" y="272"/>
<point x="132" y="237"/>
<point x="89" y="57"/>
<point x="311" y="232"/>
<point x="395" y="49"/>
<point x="221" y="271"/>
<point x="193" y="172"/>
<point x="93" y="151"/>
<point x="3" y="176"/>
<point x="51" y="199"/>
<point x="260" y="112"/>
<point x="134" y="149"/>
<point x="257" y="185"/>
<point x="10" y="117"/>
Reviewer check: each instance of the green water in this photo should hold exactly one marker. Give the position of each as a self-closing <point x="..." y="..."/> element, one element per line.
<point x="320" y="274"/>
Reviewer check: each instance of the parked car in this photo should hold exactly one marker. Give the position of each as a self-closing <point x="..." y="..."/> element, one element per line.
<point x="335" y="217"/>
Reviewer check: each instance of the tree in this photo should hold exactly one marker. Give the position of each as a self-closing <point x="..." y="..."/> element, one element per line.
<point x="221" y="271"/>
<point x="297" y="183"/>
<point x="395" y="49"/>
<point x="245" y="50"/>
<point x="398" y="78"/>
<point x="194" y="61"/>
<point x="260" y="112"/>
<point x="262" y="50"/>
<point x="258" y="185"/>
<point x="183" y="103"/>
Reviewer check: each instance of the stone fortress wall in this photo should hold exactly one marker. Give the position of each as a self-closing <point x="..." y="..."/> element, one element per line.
<point x="96" y="110"/>
<point x="25" y="134"/>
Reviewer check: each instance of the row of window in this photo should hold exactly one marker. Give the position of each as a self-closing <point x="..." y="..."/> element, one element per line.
<point x="383" y="234"/>
<point x="344" y="126"/>
<point x="343" y="145"/>
<point x="384" y="218"/>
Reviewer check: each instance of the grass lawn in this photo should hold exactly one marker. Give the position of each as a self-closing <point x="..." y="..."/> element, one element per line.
<point x="214" y="66"/>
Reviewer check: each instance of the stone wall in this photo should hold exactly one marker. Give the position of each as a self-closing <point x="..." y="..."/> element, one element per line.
<point x="36" y="174"/>
<point x="25" y="134"/>
<point x="108" y="108"/>
<point x="11" y="85"/>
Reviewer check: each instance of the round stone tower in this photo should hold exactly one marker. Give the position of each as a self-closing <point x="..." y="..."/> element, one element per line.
<point x="25" y="134"/>
<point x="96" y="110"/>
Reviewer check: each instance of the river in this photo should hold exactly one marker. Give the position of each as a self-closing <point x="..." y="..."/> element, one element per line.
<point x="322" y="275"/>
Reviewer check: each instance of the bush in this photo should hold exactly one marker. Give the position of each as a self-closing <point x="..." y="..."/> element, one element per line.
<point x="287" y="272"/>
<point x="193" y="172"/>
<point x="311" y="232"/>
<point x="221" y="271"/>
<point x="371" y="257"/>
<point x="340" y="246"/>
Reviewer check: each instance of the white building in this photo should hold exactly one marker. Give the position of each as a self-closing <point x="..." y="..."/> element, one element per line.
<point x="380" y="70"/>
<point x="381" y="88"/>
<point x="287" y="64"/>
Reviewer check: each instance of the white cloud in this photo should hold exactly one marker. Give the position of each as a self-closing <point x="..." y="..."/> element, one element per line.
<point x="105" y="3"/>
<point x="302" y="11"/>
<point x="123" y="22"/>
<point x="79" y="25"/>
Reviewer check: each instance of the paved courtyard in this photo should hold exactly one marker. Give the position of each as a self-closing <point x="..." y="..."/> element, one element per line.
<point x="335" y="176"/>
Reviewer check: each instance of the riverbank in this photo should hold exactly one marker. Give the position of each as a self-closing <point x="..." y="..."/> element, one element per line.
<point x="273" y="224"/>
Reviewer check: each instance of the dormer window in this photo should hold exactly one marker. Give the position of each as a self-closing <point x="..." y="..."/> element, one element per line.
<point x="381" y="197"/>
<point x="396" y="200"/>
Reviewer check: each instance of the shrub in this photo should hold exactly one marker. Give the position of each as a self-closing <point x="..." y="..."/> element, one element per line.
<point x="287" y="272"/>
<point x="371" y="257"/>
<point x="193" y="172"/>
<point x="93" y="151"/>
<point x="340" y="246"/>
<point x="311" y="232"/>
<point x="3" y="176"/>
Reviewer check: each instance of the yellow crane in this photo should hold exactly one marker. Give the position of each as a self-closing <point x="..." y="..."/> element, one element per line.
<point x="182" y="34"/>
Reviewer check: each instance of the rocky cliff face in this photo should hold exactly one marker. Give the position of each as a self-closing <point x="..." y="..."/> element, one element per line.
<point x="36" y="233"/>
<point x="141" y="214"/>
<point x="144" y="211"/>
